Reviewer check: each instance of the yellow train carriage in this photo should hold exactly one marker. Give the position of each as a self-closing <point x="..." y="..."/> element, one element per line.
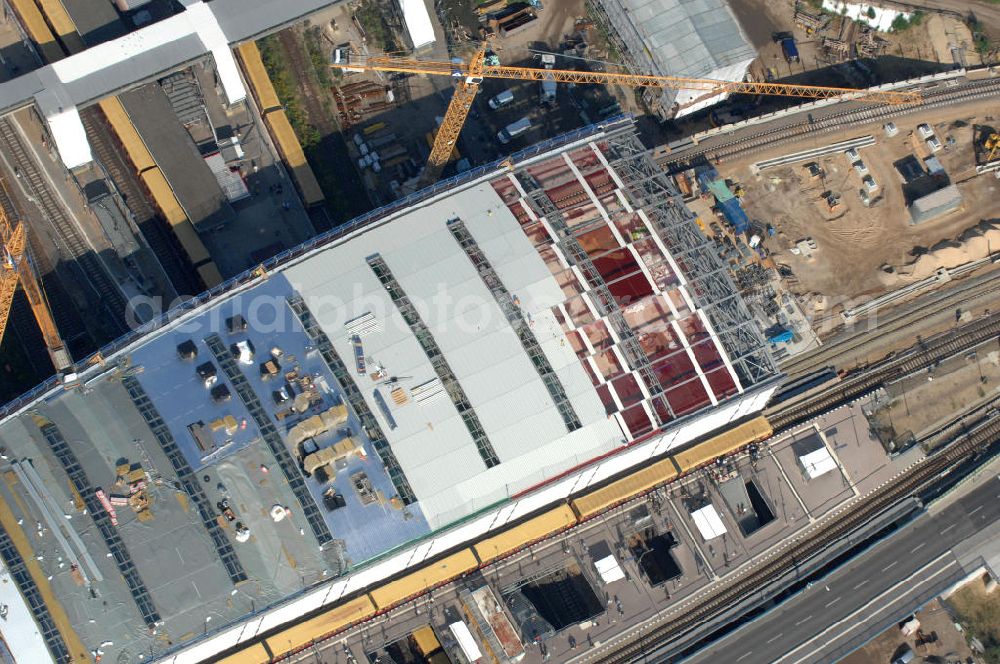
<point x="322" y="626"/>
<point x="619" y="491"/>
<point x="423" y="579"/>
<point x="209" y="274"/>
<point x="754" y="430"/>
<point x="532" y="530"/>
<point x="294" y="157"/>
<point x="260" y="82"/>
<point x="38" y="30"/>
<point x="182" y="227"/>
<point x="62" y="25"/>
<point x="253" y="654"/>
<point x="134" y="146"/>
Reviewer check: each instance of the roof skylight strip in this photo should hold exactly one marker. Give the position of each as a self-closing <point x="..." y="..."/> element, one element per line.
<point x="517" y="322"/>
<point x="438" y="362"/>
<point x="270" y="435"/>
<point x="354" y="397"/>
<point x="103" y="521"/>
<point x="186" y="476"/>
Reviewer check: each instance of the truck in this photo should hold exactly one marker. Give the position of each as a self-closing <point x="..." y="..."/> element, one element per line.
<point x="513" y="129"/>
<point x="790" y="50"/>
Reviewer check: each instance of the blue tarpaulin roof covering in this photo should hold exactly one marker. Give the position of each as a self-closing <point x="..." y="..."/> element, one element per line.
<point x="780" y="335"/>
<point x="734" y="214"/>
<point x="711" y="182"/>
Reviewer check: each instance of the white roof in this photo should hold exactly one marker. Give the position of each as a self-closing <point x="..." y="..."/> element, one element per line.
<point x="18" y="628"/>
<point x="465" y="641"/>
<point x="418" y="22"/>
<point x="230" y="182"/>
<point x="609" y="569"/>
<point x="817" y="462"/>
<point x="691" y="101"/>
<point x="70" y="138"/>
<point x="431" y="441"/>
<point x="709" y="523"/>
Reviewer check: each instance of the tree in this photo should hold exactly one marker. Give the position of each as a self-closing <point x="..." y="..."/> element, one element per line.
<point x="871" y="12"/>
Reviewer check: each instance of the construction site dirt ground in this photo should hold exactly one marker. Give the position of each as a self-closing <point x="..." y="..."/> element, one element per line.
<point x="934" y="618"/>
<point x="919" y="50"/>
<point x="929" y="42"/>
<point x="978" y="611"/>
<point x="855" y="243"/>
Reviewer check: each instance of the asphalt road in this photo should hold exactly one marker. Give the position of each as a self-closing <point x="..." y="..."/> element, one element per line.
<point x="827" y="620"/>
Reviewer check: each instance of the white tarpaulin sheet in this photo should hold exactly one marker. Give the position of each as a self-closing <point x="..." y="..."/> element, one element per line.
<point x="858" y="11"/>
<point x="609" y="569"/>
<point x="709" y="523"/>
<point x="817" y="462"/>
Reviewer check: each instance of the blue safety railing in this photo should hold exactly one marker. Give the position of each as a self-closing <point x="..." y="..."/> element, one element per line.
<point x="332" y="235"/>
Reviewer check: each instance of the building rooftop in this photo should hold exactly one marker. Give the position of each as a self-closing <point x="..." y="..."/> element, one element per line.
<point x="934" y="204"/>
<point x="688" y="39"/>
<point x="380" y="386"/>
<point x="190" y="178"/>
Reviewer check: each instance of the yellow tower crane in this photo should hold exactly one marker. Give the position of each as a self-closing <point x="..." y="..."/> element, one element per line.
<point x="471" y="73"/>
<point x="16" y="268"/>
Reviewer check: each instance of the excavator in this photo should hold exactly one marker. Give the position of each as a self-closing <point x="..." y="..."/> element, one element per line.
<point x="485" y="64"/>
<point x="16" y="268"/>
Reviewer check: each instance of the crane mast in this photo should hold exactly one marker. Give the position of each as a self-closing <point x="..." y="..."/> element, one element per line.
<point x="17" y="269"/>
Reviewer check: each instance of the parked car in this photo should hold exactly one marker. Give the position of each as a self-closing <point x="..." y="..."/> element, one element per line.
<point x="513" y="129"/>
<point x="502" y="99"/>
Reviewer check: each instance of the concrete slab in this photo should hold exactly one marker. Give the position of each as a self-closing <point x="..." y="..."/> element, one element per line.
<point x="819" y="494"/>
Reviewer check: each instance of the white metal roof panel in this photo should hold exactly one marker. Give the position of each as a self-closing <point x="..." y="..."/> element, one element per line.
<point x="418" y="22"/>
<point x="818" y="462"/>
<point x="708" y="522"/>
<point x="431" y="441"/>
<point x="609" y="569"/>
<point x="70" y="138"/>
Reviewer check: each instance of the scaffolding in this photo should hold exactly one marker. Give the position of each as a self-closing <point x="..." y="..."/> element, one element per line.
<point x="603" y="299"/>
<point x="713" y="290"/>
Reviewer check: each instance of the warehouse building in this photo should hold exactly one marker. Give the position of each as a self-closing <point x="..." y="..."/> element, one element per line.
<point x="533" y="330"/>
<point x="677" y="38"/>
<point x="935" y="204"/>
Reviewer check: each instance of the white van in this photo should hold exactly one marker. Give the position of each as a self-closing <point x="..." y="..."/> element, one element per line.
<point x="513" y="129"/>
<point x="501" y="100"/>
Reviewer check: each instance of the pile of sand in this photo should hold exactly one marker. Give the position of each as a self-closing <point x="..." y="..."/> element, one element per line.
<point x="973" y="244"/>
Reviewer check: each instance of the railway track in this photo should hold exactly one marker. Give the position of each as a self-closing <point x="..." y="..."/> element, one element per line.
<point x="799" y="549"/>
<point x="109" y="298"/>
<point x="917" y="477"/>
<point x="154" y="229"/>
<point x="788" y="133"/>
<point x="968" y="440"/>
<point x="925" y="354"/>
<point x="895" y="320"/>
